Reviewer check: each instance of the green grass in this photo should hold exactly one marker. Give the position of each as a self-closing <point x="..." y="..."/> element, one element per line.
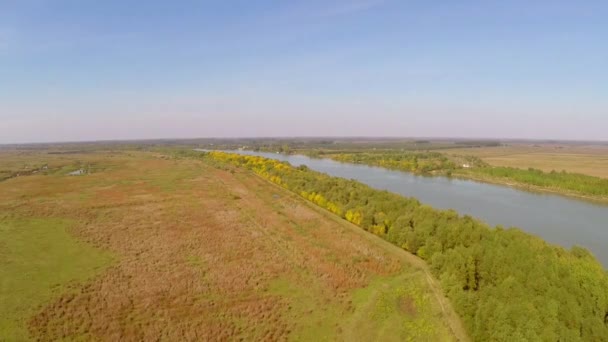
<point x="378" y="313"/>
<point x="37" y="258"/>
<point x="400" y="308"/>
<point x="315" y="322"/>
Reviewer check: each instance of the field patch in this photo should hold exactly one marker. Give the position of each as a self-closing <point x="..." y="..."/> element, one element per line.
<point x="399" y="308"/>
<point x="38" y="258"/>
<point x="587" y="160"/>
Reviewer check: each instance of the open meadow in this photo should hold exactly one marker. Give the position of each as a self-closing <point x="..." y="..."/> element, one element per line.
<point x="587" y="160"/>
<point x="145" y="247"/>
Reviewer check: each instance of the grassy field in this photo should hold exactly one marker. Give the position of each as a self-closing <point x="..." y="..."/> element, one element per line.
<point x="38" y="255"/>
<point x="144" y="247"/>
<point x="588" y="160"/>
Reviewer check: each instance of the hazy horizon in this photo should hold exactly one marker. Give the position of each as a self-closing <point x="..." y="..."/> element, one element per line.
<point x="344" y="138"/>
<point x="71" y="71"/>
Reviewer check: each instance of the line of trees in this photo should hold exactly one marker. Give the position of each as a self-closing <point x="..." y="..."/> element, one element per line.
<point x="571" y="182"/>
<point x="417" y="162"/>
<point x="505" y="284"/>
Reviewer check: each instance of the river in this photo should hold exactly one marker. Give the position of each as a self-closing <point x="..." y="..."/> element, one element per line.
<point x="557" y="219"/>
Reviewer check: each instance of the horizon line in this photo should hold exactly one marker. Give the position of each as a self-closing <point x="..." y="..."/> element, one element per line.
<point x="338" y="137"/>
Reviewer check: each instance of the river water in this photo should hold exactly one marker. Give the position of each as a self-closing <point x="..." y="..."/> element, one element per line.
<point x="557" y="219"/>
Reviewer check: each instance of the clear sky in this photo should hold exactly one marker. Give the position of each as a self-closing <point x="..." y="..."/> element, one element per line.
<point x="121" y="69"/>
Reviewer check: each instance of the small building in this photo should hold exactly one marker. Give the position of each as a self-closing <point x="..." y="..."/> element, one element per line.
<point x="466" y="166"/>
<point x="77" y="172"/>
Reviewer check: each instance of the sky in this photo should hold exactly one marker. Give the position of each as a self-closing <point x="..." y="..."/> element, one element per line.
<point x="78" y="70"/>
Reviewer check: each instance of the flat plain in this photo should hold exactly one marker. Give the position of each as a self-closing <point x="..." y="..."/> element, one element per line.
<point x="147" y="247"/>
<point x="589" y="160"/>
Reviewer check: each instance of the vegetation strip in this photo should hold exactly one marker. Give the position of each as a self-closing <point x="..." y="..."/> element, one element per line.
<point x="505" y="284"/>
<point x="569" y="175"/>
<point x="471" y="167"/>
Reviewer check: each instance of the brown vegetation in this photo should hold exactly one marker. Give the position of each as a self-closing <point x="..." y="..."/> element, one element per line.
<point x="198" y="253"/>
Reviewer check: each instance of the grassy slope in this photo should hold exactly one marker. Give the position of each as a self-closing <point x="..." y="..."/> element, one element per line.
<point x="37" y="257"/>
<point x="305" y="273"/>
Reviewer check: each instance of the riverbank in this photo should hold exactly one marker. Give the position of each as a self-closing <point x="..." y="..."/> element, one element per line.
<point x="473" y="173"/>
<point x="459" y="174"/>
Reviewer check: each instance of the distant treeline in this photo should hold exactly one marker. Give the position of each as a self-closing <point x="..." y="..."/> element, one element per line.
<point x="321" y="146"/>
<point x="569" y="182"/>
<point x="417" y="162"/>
<point x="429" y="162"/>
<point x="478" y="143"/>
<point x="505" y="284"/>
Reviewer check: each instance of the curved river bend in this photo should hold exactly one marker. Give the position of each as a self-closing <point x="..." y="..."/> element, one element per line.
<point x="556" y="219"/>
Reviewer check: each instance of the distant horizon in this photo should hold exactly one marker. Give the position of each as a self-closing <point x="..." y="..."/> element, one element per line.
<point x="437" y="138"/>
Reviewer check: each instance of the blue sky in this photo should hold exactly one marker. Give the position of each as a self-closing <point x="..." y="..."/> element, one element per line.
<point x="88" y="70"/>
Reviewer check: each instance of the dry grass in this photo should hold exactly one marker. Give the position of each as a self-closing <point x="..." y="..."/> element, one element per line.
<point x="205" y="254"/>
<point x="589" y="160"/>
